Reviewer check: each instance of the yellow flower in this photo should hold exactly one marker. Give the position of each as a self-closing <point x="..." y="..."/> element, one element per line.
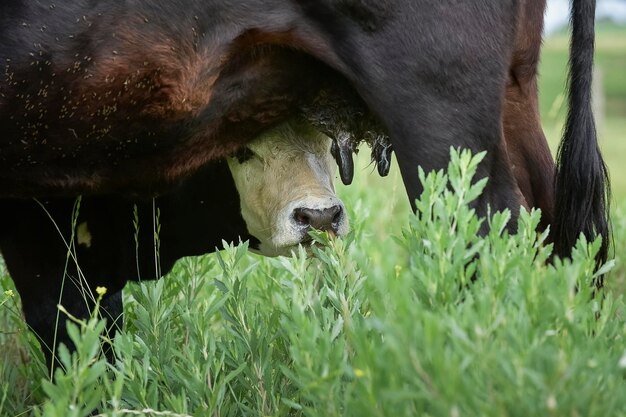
<point x="359" y="373"/>
<point x="398" y="269"/>
<point x="101" y="291"/>
<point x="9" y="293"/>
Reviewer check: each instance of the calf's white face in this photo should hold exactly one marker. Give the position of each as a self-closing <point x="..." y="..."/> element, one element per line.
<point x="285" y="184"/>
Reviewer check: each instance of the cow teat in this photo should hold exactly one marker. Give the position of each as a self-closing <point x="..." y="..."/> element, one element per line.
<point x="341" y="114"/>
<point x="381" y="155"/>
<point x="341" y="149"/>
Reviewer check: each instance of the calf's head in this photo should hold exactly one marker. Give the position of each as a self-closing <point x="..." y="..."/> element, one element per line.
<point x="285" y="183"/>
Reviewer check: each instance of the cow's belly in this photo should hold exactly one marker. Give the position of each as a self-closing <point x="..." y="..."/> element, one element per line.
<point x="139" y="130"/>
<point x="133" y="97"/>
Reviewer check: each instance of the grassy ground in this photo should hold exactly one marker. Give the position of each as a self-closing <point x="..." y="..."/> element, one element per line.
<point x="378" y="326"/>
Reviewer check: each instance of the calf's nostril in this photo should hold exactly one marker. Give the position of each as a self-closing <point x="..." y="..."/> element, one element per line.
<point x="301" y="216"/>
<point x="337" y="215"/>
<point x="322" y="219"/>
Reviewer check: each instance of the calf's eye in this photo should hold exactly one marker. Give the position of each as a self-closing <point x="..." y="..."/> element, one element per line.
<point x="244" y="154"/>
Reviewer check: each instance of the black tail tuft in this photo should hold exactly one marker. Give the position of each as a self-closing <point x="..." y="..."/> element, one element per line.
<point x="582" y="183"/>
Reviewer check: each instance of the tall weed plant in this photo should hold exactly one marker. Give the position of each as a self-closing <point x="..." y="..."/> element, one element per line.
<point x="454" y="324"/>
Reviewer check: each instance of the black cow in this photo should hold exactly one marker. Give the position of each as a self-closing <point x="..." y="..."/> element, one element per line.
<point x="130" y="97"/>
<point x="108" y="96"/>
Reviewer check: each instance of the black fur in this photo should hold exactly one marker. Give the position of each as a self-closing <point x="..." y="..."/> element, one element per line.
<point x="193" y="219"/>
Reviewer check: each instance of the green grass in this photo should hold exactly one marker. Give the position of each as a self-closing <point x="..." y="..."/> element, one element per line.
<point x="378" y="325"/>
<point x="366" y="328"/>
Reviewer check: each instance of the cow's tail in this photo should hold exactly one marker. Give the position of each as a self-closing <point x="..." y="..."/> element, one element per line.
<point x="582" y="183"/>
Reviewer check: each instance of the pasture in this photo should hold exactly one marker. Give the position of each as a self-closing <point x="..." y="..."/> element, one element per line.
<point x="381" y="323"/>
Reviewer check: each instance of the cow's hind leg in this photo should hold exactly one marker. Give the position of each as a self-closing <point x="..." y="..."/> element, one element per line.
<point x="533" y="165"/>
<point x="528" y="150"/>
<point x="39" y="263"/>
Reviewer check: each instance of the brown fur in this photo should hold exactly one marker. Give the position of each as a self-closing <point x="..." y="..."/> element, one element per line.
<point x="146" y="109"/>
